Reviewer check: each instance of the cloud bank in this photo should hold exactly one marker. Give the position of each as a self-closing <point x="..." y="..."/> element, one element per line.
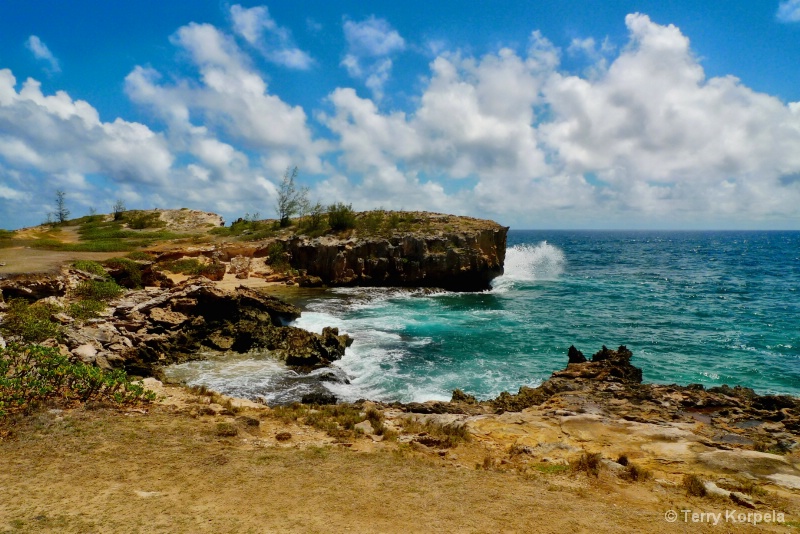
<point x="641" y="138"/>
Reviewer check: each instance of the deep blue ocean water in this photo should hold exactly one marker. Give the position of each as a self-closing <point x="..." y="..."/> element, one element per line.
<point x="694" y="307"/>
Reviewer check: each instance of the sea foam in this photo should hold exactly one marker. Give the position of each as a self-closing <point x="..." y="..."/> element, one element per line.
<point x="530" y="263"/>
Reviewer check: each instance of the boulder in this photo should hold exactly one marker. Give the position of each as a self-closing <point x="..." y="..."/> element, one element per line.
<point x="606" y="365"/>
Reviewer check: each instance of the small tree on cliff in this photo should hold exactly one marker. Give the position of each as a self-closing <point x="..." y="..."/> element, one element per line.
<point x="62" y="213"/>
<point x="290" y="199"/>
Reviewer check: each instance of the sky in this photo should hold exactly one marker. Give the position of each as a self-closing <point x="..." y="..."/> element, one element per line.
<point x="537" y="114"/>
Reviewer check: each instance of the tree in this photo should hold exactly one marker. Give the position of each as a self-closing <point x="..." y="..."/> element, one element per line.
<point x="290" y="200"/>
<point x="62" y="213"/>
<point x="118" y="209"/>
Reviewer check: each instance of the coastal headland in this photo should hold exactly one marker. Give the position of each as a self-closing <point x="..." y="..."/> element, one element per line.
<point x="592" y="448"/>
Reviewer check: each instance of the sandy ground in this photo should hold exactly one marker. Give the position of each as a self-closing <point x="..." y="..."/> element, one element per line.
<point x="27" y="260"/>
<point x="166" y="469"/>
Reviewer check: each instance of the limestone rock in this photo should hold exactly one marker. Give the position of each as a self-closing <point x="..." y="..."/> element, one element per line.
<point x="466" y="259"/>
<point x="86" y="353"/>
<point x="167" y="317"/>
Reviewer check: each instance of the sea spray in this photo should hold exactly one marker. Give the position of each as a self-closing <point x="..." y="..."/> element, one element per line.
<point x="529" y="263"/>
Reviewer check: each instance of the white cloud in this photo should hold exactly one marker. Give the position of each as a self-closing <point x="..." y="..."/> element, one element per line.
<point x="238" y="136"/>
<point x="232" y="99"/>
<point x="645" y="138"/>
<point x="259" y="29"/>
<point x="372" y="37"/>
<point x="789" y="11"/>
<point x="369" y="45"/>
<point x="56" y="134"/>
<point x="41" y="52"/>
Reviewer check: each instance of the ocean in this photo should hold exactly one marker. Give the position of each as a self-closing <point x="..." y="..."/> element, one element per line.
<point x="694" y="307"/>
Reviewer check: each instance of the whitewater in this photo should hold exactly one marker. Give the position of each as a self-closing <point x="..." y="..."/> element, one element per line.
<point x="694" y="307"/>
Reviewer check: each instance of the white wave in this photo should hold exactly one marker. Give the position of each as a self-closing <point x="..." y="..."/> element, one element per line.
<point x="530" y="263"/>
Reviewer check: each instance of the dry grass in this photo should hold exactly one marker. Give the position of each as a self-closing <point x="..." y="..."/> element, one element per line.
<point x="103" y="471"/>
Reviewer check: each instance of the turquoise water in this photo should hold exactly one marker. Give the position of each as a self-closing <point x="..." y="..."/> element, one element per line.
<point x="694" y="307"/>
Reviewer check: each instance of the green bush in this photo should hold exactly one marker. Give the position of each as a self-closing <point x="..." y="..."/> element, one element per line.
<point x="90" y="267"/>
<point x="276" y="257"/>
<point x="31" y="375"/>
<point x="126" y="272"/>
<point x="372" y="222"/>
<point x="139" y="220"/>
<point x="31" y="322"/>
<point x="97" y="290"/>
<point x="341" y="216"/>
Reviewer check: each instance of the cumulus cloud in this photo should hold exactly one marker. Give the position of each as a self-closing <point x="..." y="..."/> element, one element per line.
<point x="231" y="97"/>
<point x="259" y="29"/>
<point x="237" y="136"/>
<point x="789" y="11"/>
<point x="646" y="137"/>
<point x="57" y="134"/>
<point x="41" y="52"/>
<point x="369" y="45"/>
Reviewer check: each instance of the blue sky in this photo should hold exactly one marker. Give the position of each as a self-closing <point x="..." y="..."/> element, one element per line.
<point x="571" y="114"/>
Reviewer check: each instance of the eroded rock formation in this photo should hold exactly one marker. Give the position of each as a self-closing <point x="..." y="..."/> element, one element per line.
<point x="464" y="259"/>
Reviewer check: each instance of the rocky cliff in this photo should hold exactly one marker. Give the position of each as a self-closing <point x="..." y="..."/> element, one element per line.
<point x="455" y="253"/>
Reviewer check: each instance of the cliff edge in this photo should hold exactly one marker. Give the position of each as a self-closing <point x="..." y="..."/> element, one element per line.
<point x="447" y="251"/>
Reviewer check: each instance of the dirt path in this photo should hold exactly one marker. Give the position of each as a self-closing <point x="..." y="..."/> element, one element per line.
<point x="165" y="471"/>
<point x="19" y="260"/>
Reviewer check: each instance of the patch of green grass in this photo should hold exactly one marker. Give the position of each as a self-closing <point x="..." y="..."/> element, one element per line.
<point x="90" y="266"/>
<point x="190" y="266"/>
<point x="551" y="469"/>
<point x="246" y="229"/>
<point x="6" y="234"/>
<point x="31" y="322"/>
<point x="98" y="290"/>
<point x="138" y="255"/>
<point x="31" y="375"/>
<point x="86" y="309"/>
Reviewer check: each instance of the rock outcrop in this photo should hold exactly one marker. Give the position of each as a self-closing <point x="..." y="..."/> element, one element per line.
<point x="149" y="328"/>
<point x="465" y="258"/>
<point x="172" y="326"/>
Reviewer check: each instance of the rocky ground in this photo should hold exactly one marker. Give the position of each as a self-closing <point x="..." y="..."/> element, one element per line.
<point x="591" y="449"/>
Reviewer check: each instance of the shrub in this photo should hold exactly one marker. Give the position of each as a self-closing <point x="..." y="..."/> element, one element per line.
<point x="694" y="485"/>
<point x="341" y="216"/>
<point x="90" y="267"/>
<point x="589" y="462"/>
<point x="277" y="257"/>
<point x="32" y="374"/>
<point x="634" y="473"/>
<point x="97" y="290"/>
<point x="372" y="222"/>
<point x="31" y="322"/>
<point x="126" y="272"/>
<point x="445" y="435"/>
